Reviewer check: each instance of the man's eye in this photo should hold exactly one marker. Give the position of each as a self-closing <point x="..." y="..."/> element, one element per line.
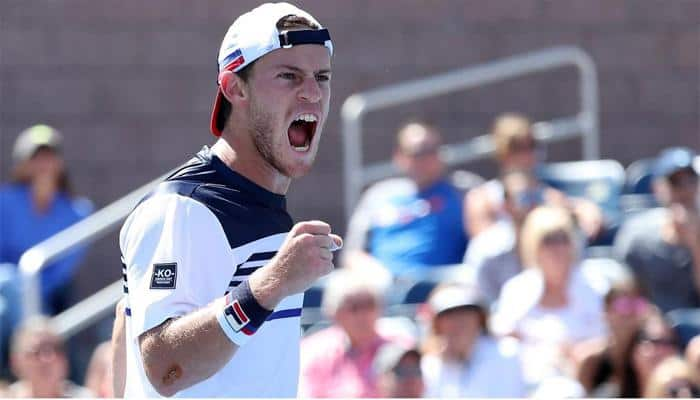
<point x="287" y="75"/>
<point x="323" y="78"/>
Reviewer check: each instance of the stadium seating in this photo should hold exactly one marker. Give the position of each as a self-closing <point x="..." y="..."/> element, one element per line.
<point x="638" y="177"/>
<point x="601" y="181"/>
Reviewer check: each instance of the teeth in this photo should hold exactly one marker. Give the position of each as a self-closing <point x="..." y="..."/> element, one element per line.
<point x="307" y="118"/>
<point x="302" y="148"/>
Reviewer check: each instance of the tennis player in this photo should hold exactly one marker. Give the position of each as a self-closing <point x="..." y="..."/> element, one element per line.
<point x="214" y="267"/>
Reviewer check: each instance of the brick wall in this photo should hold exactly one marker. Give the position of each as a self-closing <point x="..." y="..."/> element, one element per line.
<point x="130" y="83"/>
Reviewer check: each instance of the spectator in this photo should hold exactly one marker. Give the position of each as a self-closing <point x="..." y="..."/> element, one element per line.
<point x="398" y="372"/>
<point x="337" y="361"/>
<point x="653" y="342"/>
<point x="493" y="254"/>
<point x="411" y="222"/>
<point x="461" y="359"/>
<point x="98" y="377"/>
<point x="38" y="204"/>
<point x="516" y="148"/>
<point x="662" y="246"/>
<point x="673" y="378"/>
<point x="692" y="352"/>
<point x="602" y="368"/>
<point x="39" y="362"/>
<point x="552" y="305"/>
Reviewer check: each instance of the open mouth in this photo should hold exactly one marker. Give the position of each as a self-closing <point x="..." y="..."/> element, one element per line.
<point x="301" y="132"/>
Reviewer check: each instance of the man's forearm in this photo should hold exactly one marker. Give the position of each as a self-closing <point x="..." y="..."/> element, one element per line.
<point x="185" y="351"/>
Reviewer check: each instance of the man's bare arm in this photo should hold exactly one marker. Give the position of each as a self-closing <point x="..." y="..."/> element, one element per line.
<point x="184" y="351"/>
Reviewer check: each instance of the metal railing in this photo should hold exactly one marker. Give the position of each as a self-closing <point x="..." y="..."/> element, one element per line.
<point x="584" y="124"/>
<point x="86" y="231"/>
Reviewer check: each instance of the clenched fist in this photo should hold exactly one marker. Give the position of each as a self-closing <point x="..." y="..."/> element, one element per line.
<point x="305" y="256"/>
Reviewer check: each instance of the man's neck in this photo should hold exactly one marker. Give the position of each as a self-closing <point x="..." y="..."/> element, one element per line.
<point x="251" y="165"/>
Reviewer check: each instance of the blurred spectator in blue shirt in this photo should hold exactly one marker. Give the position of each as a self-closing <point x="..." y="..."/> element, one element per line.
<point x="662" y="245"/>
<point x="411" y="222"/>
<point x="37" y="204"/>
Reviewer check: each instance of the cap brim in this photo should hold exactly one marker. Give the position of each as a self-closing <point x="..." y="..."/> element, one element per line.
<point x="460" y="306"/>
<point x="214" y="123"/>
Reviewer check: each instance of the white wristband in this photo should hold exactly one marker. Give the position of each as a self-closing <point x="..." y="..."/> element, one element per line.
<point x="238" y="338"/>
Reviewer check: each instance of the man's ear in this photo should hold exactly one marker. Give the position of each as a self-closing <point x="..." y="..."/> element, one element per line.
<point x="232" y="86"/>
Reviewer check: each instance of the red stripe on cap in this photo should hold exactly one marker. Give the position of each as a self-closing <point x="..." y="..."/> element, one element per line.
<point x="238" y="61"/>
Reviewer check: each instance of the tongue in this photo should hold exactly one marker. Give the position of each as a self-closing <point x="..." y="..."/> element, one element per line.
<point x="297" y="135"/>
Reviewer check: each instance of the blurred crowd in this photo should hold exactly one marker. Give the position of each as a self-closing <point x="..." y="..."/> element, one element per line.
<point x="511" y="287"/>
<point x="450" y="285"/>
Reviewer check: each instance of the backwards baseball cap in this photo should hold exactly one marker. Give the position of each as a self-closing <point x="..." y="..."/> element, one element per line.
<point x="672" y="160"/>
<point x="254" y="34"/>
<point x="33" y="138"/>
<point x="451" y="297"/>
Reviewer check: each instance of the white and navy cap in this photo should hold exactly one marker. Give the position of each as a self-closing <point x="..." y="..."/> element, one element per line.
<point x="254" y="34"/>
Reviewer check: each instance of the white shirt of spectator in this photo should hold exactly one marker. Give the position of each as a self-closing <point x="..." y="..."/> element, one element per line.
<point x="543" y="331"/>
<point x="493" y="370"/>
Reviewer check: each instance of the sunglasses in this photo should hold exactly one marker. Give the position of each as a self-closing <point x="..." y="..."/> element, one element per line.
<point x="357" y="305"/>
<point x="405" y="372"/>
<point x="629" y="305"/>
<point x="424" y="151"/>
<point x="682" y="389"/>
<point x="555" y="239"/>
<point x="522" y="146"/>
<point x="44" y="349"/>
<point x="669" y="342"/>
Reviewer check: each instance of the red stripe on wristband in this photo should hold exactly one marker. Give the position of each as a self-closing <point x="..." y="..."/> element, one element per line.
<point x="239" y="312"/>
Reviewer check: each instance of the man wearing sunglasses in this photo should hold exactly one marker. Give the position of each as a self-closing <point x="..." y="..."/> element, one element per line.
<point x="662" y="246"/>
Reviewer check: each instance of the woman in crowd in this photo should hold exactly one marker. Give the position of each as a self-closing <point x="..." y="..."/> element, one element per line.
<point x="602" y="370"/>
<point x="37" y="204"/>
<point x="653" y="342"/>
<point x="337" y="361"/>
<point x="553" y="305"/>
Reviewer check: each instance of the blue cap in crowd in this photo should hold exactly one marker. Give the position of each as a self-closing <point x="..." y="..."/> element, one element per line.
<point x="672" y="160"/>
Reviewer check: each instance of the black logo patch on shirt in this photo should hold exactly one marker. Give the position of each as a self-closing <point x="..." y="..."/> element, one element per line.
<point x="164" y="276"/>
